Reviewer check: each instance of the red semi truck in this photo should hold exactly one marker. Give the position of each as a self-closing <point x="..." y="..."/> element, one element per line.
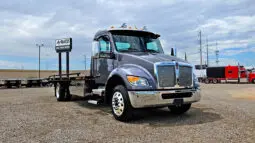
<point x="229" y="74"/>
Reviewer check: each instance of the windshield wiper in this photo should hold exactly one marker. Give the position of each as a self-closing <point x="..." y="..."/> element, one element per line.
<point x="149" y="50"/>
<point x="130" y="50"/>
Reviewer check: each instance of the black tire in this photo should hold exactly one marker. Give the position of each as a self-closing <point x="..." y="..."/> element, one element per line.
<point x="179" y="109"/>
<point x="215" y="81"/>
<point x="127" y="112"/>
<point x="68" y="96"/>
<point x="207" y="81"/>
<point x="253" y="81"/>
<point x="60" y="92"/>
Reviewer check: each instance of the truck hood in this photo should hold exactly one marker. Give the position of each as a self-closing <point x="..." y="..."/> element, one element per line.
<point x="146" y="60"/>
<point x="152" y="57"/>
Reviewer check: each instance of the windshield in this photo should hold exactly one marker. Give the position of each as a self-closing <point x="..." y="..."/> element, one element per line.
<point x="130" y="43"/>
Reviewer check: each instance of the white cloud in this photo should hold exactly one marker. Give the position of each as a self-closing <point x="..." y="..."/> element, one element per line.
<point x="14" y="65"/>
<point x="229" y="24"/>
<point x="23" y="24"/>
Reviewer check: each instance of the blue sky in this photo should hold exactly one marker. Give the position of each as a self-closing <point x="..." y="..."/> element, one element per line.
<point x="23" y="24"/>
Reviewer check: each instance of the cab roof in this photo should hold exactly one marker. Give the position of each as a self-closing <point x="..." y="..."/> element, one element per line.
<point x="123" y="30"/>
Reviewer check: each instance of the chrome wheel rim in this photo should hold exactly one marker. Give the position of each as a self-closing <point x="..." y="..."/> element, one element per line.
<point x="118" y="103"/>
<point x="57" y="93"/>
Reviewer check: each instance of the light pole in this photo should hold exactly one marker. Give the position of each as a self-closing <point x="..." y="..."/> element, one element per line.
<point x="39" y="46"/>
<point x="85" y="61"/>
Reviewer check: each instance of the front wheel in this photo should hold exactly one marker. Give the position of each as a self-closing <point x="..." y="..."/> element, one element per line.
<point x="121" y="107"/>
<point x="179" y="109"/>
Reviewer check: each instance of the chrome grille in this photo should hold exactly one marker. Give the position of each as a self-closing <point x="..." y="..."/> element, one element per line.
<point x="185" y="76"/>
<point x="166" y="75"/>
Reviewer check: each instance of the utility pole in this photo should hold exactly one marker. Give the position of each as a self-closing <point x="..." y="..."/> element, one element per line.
<point x="207" y="54"/>
<point x="39" y="46"/>
<point x="200" y="50"/>
<point x="85" y="62"/>
<point x="186" y="57"/>
<point x="217" y="54"/>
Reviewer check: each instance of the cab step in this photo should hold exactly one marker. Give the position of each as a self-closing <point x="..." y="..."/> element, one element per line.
<point x="99" y="91"/>
<point x="95" y="102"/>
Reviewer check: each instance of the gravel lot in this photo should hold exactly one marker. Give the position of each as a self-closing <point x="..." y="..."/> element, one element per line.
<point x="226" y="113"/>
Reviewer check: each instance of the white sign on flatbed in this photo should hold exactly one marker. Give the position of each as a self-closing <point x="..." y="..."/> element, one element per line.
<point x="63" y="45"/>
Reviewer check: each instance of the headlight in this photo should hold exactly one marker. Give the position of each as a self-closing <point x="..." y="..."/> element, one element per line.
<point x="137" y="81"/>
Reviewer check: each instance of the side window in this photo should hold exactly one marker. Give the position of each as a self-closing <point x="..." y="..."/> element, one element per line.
<point x="104" y="44"/>
<point x="95" y="48"/>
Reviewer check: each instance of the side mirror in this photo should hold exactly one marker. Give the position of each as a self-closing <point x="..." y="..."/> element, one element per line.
<point x="173" y="52"/>
<point x="112" y="55"/>
<point x="108" y="55"/>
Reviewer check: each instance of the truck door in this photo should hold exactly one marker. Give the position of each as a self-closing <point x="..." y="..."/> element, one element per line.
<point x="102" y="61"/>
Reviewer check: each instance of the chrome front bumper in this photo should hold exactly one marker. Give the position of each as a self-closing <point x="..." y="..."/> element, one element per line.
<point x="141" y="99"/>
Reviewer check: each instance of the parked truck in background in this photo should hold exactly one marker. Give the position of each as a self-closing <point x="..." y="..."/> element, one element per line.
<point x="229" y="74"/>
<point x="129" y="70"/>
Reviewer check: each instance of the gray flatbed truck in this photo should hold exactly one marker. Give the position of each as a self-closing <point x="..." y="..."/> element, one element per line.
<point x="130" y="70"/>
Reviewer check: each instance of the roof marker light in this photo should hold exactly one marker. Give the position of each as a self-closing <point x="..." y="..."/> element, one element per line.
<point x="144" y="28"/>
<point x="124" y="25"/>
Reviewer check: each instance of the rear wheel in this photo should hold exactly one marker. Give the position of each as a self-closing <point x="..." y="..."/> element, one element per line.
<point x="253" y="81"/>
<point x="214" y="81"/>
<point x="59" y="92"/>
<point x="207" y="81"/>
<point x="121" y="107"/>
<point x="62" y="93"/>
<point x="68" y="95"/>
<point x="179" y="109"/>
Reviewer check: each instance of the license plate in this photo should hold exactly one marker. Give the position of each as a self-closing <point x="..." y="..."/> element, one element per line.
<point x="178" y="101"/>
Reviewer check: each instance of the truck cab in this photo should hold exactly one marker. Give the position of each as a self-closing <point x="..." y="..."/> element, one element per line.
<point x="251" y="76"/>
<point x="130" y="70"/>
